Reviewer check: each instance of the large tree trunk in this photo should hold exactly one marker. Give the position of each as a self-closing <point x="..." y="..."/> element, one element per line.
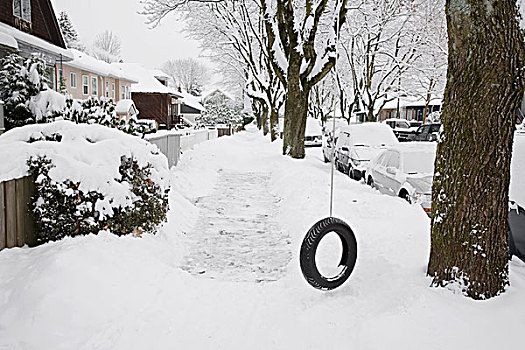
<point x="471" y="182"/>
<point x="295" y="109"/>
<point x="274" y="124"/>
<point x="264" y="118"/>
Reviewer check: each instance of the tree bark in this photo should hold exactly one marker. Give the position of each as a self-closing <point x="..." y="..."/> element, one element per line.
<point x="264" y="119"/>
<point x="470" y="192"/>
<point x="274" y="124"/>
<point x="295" y="110"/>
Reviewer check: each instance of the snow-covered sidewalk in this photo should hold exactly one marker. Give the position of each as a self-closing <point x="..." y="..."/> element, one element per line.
<point x="236" y="237"/>
<point x="108" y="292"/>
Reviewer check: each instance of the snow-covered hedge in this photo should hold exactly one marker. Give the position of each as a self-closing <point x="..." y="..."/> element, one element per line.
<point x="88" y="177"/>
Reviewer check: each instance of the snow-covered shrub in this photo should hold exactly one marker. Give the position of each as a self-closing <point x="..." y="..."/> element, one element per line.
<point x="98" y="111"/>
<point x="20" y="80"/>
<point x="61" y="208"/>
<point x="88" y="178"/>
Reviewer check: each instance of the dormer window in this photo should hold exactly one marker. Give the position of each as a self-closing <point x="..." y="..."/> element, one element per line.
<point x="22" y="9"/>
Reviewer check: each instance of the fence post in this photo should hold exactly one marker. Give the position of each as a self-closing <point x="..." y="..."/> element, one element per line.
<point x="2" y="127"/>
<point x="3" y="233"/>
<point x="10" y="213"/>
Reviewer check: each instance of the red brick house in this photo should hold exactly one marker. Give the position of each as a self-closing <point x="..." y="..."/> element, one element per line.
<point x="152" y="96"/>
<point x="29" y="27"/>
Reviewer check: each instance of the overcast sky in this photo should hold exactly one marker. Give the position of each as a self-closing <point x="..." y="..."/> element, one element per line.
<point x="140" y="44"/>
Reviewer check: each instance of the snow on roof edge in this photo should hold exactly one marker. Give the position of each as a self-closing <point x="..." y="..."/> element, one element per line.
<point x="35" y="41"/>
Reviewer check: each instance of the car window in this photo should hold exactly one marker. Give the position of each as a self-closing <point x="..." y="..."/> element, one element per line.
<point x="435" y="127"/>
<point x="384" y="160"/>
<point x="424" y="129"/>
<point x="402" y="124"/>
<point x="393" y="160"/>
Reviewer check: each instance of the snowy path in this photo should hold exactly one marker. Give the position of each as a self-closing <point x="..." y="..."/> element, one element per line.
<point x="236" y="237"/>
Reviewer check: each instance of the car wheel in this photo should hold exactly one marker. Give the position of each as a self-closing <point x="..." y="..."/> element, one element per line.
<point x="404" y="194"/>
<point x="309" y="248"/>
<point x="326" y="160"/>
<point x="370" y="182"/>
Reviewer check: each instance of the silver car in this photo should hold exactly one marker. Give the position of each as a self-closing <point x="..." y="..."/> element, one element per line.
<point x="405" y="171"/>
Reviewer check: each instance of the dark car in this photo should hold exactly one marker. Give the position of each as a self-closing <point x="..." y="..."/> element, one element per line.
<point x="427" y="132"/>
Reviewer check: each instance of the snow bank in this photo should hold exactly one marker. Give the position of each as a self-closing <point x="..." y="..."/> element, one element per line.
<point x="88" y="154"/>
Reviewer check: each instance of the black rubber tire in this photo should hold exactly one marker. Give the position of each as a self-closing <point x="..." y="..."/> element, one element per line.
<point x="309" y="249"/>
<point x="370" y="182"/>
<point x="404" y="194"/>
<point x="326" y="160"/>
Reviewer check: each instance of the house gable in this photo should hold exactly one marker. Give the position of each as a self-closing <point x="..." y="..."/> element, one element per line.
<point x="44" y="24"/>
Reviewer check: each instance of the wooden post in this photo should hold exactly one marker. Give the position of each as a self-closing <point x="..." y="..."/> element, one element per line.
<point x="3" y="235"/>
<point x="10" y="213"/>
<point x="21" y="210"/>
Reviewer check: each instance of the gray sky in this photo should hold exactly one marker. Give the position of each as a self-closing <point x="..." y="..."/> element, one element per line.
<point x="140" y="44"/>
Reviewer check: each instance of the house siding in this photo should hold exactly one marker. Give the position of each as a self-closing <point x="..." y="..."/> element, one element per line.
<point x="77" y="92"/>
<point x="44" y="24"/>
<point x="155" y="106"/>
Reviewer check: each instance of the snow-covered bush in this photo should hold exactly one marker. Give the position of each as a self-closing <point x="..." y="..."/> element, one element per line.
<point x="98" y="111"/>
<point x="20" y="80"/>
<point x="88" y="178"/>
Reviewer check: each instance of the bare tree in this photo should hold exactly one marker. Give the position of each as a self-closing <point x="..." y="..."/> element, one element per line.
<point x="188" y="73"/>
<point x="485" y="84"/>
<point x="106" y="47"/>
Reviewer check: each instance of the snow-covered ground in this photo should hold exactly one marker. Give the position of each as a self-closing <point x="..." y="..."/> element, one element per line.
<point x="196" y="285"/>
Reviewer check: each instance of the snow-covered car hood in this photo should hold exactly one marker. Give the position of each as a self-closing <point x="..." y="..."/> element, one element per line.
<point x="421" y="183"/>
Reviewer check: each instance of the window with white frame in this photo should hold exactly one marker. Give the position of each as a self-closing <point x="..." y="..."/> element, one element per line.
<point x="128" y="93"/>
<point x="94" y="86"/>
<point x="113" y="91"/>
<point x="85" y="85"/>
<point x="107" y="88"/>
<point x="122" y="92"/>
<point x="22" y="9"/>
<point x="73" y="80"/>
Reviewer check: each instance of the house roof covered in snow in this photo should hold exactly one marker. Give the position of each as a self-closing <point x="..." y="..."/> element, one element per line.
<point x="8" y="40"/>
<point x="32" y="40"/>
<point x="91" y="64"/>
<point x="191" y="101"/>
<point x="410" y="101"/>
<point x="146" y="80"/>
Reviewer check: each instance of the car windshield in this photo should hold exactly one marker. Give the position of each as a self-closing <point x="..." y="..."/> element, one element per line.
<point x="418" y="162"/>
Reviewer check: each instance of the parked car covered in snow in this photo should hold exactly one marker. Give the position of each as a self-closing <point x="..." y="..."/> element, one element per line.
<point x="329" y="136"/>
<point x="313" y="133"/>
<point x="427" y="132"/>
<point x="403" y="129"/>
<point x="357" y="144"/>
<point x="405" y="171"/>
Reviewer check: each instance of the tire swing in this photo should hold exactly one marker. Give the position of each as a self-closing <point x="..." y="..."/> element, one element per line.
<point x="319" y="231"/>
<point x="309" y="249"/>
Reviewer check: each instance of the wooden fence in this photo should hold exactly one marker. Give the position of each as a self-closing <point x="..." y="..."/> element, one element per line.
<point x="17" y="226"/>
